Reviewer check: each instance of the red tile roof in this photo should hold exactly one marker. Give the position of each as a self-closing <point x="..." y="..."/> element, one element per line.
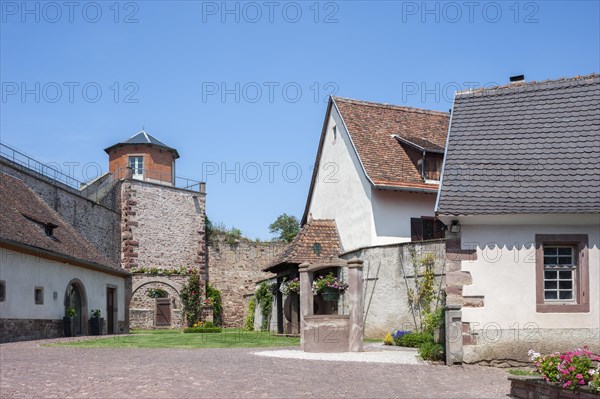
<point x="386" y="161"/>
<point x="316" y="241"/>
<point x="23" y="217"/>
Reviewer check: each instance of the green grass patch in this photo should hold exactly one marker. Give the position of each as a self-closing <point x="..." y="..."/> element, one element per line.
<point x="228" y="338"/>
<point x="522" y="372"/>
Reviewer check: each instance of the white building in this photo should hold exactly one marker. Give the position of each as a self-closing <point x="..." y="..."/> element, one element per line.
<point x="521" y="191"/>
<point x="47" y="267"/>
<point x="376" y="172"/>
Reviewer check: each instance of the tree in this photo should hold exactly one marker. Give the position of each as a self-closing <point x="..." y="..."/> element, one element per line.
<point x="286" y="226"/>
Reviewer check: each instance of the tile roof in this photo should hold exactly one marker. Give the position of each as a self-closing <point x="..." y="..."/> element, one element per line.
<point x="317" y="240"/>
<point x="372" y="127"/>
<point x="142" y="137"/>
<point x="524" y="148"/>
<point x="23" y="216"/>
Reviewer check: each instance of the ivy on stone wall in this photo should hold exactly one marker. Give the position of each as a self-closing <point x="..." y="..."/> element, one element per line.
<point x="264" y="297"/>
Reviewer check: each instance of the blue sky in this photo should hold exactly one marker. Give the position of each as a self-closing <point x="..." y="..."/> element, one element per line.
<point x="238" y="85"/>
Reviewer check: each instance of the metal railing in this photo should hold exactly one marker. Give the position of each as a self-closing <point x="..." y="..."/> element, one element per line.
<point x="91" y="189"/>
<point x="27" y="162"/>
<point x="153" y="176"/>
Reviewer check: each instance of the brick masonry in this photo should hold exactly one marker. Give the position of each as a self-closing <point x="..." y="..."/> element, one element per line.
<point x="234" y="270"/>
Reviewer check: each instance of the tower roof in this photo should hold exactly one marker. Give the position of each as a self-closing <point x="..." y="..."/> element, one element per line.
<point x="143" y="137"/>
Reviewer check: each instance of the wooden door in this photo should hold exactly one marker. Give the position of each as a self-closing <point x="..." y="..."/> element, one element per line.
<point x="163" y="312"/>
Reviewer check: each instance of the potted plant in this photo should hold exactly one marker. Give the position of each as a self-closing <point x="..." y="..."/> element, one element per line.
<point x="96" y="322"/>
<point x="70" y="314"/>
<point x="290" y="287"/>
<point x="329" y="287"/>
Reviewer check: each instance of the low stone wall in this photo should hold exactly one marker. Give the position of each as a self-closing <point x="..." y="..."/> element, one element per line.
<point x="524" y="387"/>
<point x="12" y="330"/>
<point x="388" y="273"/>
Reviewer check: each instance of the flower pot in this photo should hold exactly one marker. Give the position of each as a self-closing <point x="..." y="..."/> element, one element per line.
<point x="68" y="326"/>
<point x="330" y="294"/>
<point x="96" y="324"/>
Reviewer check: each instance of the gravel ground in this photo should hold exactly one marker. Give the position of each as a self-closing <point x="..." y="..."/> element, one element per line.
<point x="30" y="370"/>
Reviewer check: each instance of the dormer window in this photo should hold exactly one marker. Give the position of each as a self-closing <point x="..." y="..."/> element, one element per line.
<point x="49" y="229"/>
<point x="427" y="156"/>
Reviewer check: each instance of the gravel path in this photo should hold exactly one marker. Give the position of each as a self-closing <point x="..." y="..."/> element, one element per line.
<point x="30" y="370"/>
<point x="396" y="357"/>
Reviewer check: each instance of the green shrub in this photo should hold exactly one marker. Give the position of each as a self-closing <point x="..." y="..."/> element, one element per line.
<point x="431" y="351"/>
<point x="215" y="298"/>
<point x="249" y="322"/>
<point x="433" y="320"/>
<point x="415" y="339"/>
<point x="264" y="297"/>
<point x="202" y="330"/>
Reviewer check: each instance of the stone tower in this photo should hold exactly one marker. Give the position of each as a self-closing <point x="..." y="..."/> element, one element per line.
<point x="162" y="228"/>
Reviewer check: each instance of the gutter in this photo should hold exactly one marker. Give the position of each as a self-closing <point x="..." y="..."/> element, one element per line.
<point x="437" y="200"/>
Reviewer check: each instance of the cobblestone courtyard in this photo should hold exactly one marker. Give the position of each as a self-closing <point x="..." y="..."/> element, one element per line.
<point x="31" y="370"/>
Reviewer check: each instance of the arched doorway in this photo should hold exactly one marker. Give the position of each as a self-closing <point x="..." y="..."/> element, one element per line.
<point x="75" y="297"/>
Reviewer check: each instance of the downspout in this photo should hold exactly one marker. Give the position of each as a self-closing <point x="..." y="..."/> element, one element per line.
<point x="423" y="166"/>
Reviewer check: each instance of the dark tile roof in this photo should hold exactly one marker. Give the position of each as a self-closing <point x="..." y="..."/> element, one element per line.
<point x="317" y="240"/>
<point x="372" y="127"/>
<point x="421" y="144"/>
<point x="524" y="148"/>
<point x="143" y="137"/>
<point x="24" y="216"/>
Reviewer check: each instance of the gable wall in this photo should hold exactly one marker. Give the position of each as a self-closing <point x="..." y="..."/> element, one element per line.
<point x="341" y="190"/>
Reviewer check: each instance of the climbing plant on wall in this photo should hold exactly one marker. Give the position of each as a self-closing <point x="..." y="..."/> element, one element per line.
<point x="214" y="296"/>
<point x="249" y="322"/>
<point x="264" y="297"/>
<point x="424" y="295"/>
<point x="191" y="297"/>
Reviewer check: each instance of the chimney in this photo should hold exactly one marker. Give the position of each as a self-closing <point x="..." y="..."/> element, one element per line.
<point x="517" y="78"/>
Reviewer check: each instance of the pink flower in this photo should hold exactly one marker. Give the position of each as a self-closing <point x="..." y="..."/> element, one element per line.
<point x="579" y="376"/>
<point x="566" y="384"/>
<point x="572" y="368"/>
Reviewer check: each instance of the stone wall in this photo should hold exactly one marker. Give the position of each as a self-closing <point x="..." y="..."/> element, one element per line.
<point x="142" y="307"/>
<point x="234" y="270"/>
<point x="12" y="330"/>
<point x="162" y="226"/>
<point x="387" y="273"/>
<point x="97" y="222"/>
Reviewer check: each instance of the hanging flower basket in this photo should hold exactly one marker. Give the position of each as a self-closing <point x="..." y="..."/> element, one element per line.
<point x="330" y="294"/>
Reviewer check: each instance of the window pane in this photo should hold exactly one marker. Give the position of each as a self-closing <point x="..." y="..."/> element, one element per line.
<point x="550" y="251"/>
<point x="549" y="285"/>
<point x="550" y="295"/>
<point x="565" y="275"/>
<point x="565" y="251"/>
<point x="564" y="260"/>
<point x="550" y="260"/>
<point x="566" y="294"/>
<point x="550" y="274"/>
<point x="565" y="285"/>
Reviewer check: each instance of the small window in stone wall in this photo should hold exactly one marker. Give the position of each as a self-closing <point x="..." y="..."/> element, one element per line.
<point x="38" y="295"/>
<point x="2" y="291"/>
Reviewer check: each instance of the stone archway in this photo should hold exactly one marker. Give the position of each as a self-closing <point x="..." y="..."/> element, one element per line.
<point x="76" y="296"/>
<point x="148" y="312"/>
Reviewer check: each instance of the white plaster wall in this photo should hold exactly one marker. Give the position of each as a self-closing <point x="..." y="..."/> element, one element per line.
<point x="392" y="211"/>
<point x="22" y="273"/>
<point x="364" y="216"/>
<point x="342" y="191"/>
<point x="504" y="273"/>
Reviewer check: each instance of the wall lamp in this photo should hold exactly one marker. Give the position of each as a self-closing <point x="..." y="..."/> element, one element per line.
<point x="455" y="227"/>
